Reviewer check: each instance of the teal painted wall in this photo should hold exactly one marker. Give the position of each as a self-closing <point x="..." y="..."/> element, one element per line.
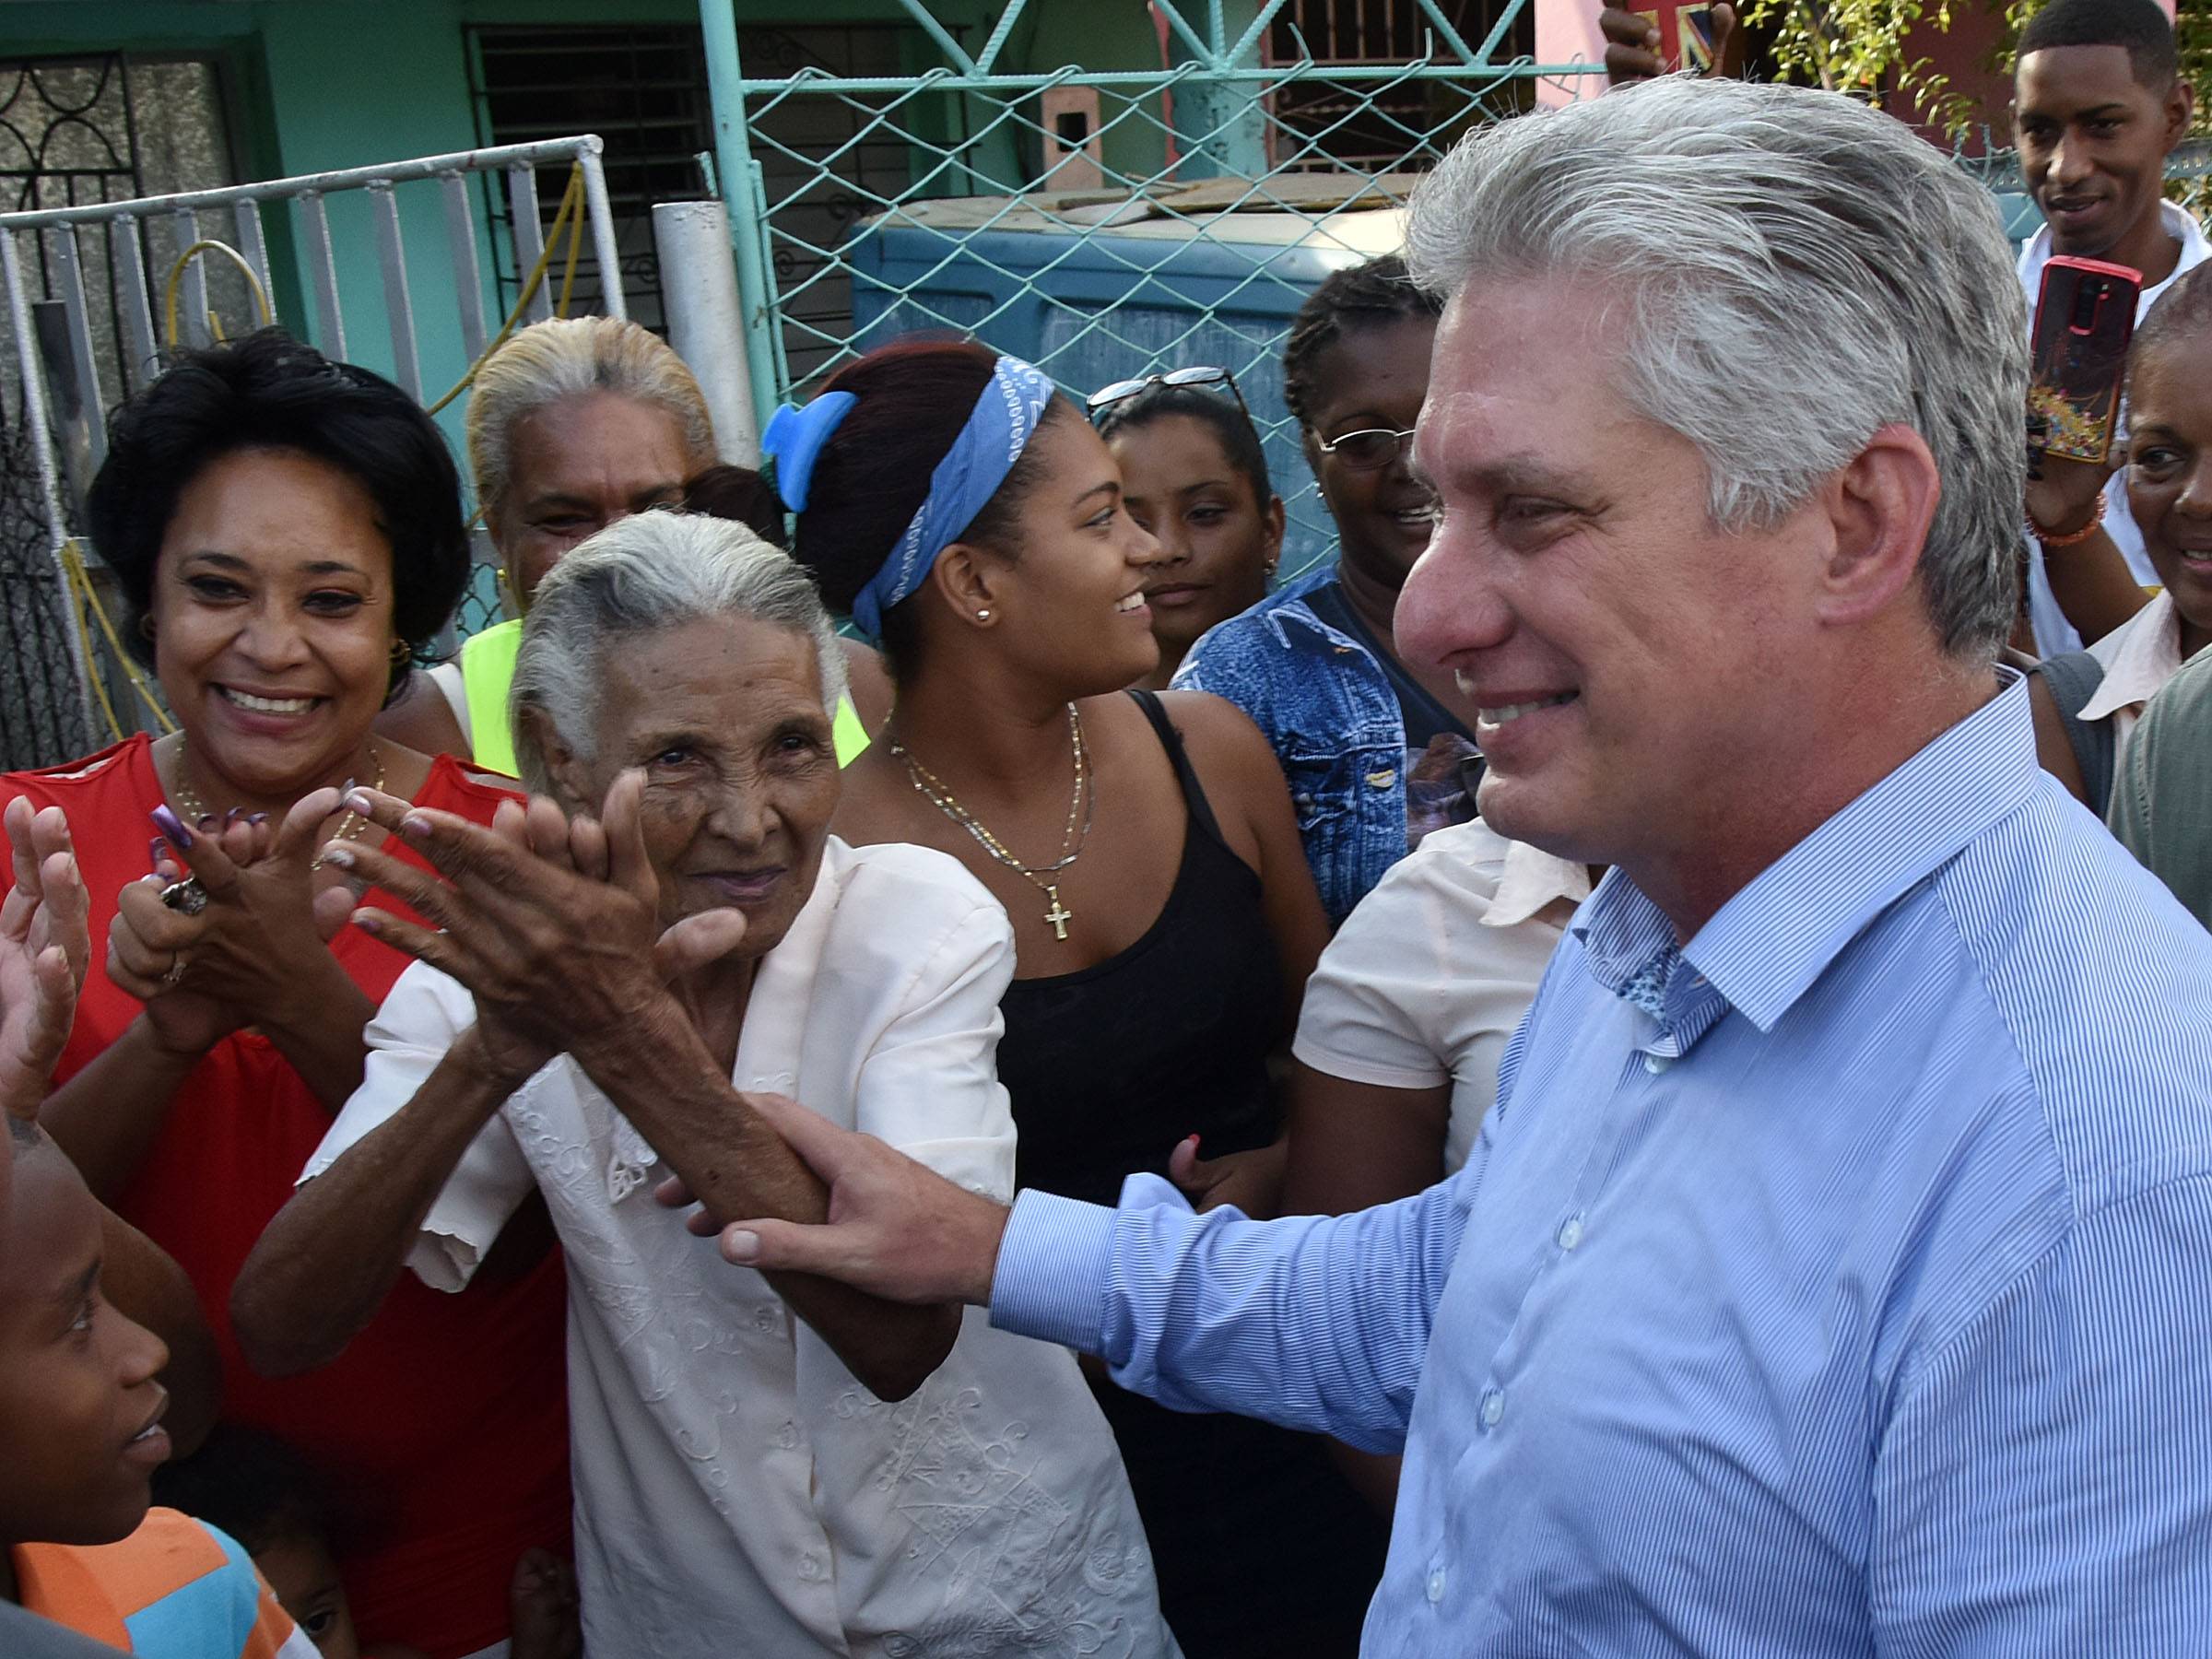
<point x="316" y="84"/>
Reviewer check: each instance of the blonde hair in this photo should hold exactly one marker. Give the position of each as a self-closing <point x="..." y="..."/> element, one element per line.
<point x="566" y="356"/>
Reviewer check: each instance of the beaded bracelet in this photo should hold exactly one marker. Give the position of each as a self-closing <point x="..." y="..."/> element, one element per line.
<point x="2072" y="536"/>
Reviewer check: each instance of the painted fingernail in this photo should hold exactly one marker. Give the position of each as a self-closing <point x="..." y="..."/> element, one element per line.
<point x="207" y="822"/>
<point x="357" y="802"/>
<point x="341" y="857"/>
<point x="157" y="849"/>
<point x="738" y="1245"/>
<point x="419" y="827"/>
<point x="232" y="817"/>
<point x="257" y="818"/>
<point x="346" y="788"/>
<point x="1191" y="1143"/>
<point x="172" y="826"/>
<point x="369" y="924"/>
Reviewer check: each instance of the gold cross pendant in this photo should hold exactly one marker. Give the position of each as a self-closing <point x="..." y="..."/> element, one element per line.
<point x="1059" y="915"/>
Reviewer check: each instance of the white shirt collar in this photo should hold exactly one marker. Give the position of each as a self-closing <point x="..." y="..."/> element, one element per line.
<point x="2195" y="251"/>
<point x="1532" y="879"/>
<point x="2146" y="649"/>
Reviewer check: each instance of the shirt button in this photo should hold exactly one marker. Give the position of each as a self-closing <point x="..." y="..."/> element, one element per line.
<point x="1436" y="1586"/>
<point x="1493" y="1408"/>
<point x="1570" y="1234"/>
<point x="1655" y="1064"/>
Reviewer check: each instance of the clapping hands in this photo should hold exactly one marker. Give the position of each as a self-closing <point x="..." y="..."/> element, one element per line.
<point x="45" y="948"/>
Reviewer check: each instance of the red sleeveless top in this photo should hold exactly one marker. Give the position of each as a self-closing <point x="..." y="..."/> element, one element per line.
<point x="442" y="1430"/>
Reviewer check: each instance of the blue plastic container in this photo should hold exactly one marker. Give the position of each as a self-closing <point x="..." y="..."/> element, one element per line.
<point x="1098" y="306"/>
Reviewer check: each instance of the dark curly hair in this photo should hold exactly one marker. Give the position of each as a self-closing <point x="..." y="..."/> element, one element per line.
<point x="249" y="1484"/>
<point x="1363" y="296"/>
<point x="1231" y="427"/>
<point x="267" y="391"/>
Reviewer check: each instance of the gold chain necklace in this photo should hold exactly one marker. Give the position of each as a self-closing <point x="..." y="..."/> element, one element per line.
<point x="1083" y="802"/>
<point x="194" y="809"/>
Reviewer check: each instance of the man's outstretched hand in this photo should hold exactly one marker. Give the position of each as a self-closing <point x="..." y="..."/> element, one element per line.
<point x="896" y="1230"/>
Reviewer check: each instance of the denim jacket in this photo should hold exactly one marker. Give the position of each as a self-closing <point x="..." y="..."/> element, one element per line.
<point x="1329" y="713"/>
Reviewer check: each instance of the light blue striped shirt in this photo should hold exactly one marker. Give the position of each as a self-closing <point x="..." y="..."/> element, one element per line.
<point x="1859" y="1301"/>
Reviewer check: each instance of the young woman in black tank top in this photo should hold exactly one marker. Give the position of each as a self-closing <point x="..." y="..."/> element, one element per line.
<point x="1164" y="918"/>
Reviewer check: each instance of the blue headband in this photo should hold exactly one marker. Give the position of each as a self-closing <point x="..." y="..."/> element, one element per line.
<point x="999" y="428"/>
<point x="794" y="438"/>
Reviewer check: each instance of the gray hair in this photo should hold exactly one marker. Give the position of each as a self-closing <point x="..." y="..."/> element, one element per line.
<point x="1797" y="271"/>
<point x="569" y="356"/>
<point x="643" y="574"/>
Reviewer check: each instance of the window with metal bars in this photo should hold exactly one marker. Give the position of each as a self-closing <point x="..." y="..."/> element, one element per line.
<point x="642" y="89"/>
<point x="1320" y="125"/>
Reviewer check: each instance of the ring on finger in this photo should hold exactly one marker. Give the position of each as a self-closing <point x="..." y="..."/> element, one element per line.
<point x="187" y="897"/>
<point x="176" y="970"/>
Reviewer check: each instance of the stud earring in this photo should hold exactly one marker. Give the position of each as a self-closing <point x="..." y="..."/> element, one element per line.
<point x="982" y="616"/>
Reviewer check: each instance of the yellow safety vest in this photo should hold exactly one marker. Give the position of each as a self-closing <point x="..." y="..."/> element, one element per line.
<point x="488" y="675"/>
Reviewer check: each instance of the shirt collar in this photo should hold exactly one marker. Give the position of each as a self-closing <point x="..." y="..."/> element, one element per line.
<point x="2148" y="651"/>
<point x="1532" y="879"/>
<point x="2195" y="251"/>
<point x="1767" y="945"/>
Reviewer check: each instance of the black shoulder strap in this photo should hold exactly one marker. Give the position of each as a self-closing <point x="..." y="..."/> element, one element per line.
<point x="1171" y="739"/>
<point x="2074" y="678"/>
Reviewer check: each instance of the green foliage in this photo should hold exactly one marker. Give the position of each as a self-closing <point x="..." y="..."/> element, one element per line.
<point x="1858" y="47"/>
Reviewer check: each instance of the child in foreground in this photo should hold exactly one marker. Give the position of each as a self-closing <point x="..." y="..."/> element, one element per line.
<point x="258" y="1490"/>
<point x="80" y="1438"/>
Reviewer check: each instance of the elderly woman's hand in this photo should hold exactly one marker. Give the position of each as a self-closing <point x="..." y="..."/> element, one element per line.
<point x="45" y="945"/>
<point x="553" y="925"/>
<point x="250" y="950"/>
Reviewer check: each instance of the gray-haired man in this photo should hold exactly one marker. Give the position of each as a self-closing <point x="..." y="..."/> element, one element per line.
<point x="1834" y="1274"/>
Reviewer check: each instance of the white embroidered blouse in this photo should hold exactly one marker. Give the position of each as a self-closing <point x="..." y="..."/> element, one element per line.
<point x="736" y="1489"/>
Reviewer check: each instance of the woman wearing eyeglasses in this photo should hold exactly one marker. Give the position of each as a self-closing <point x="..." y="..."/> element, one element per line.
<point x="1145" y="850"/>
<point x="1193" y="475"/>
<point x="1375" y="749"/>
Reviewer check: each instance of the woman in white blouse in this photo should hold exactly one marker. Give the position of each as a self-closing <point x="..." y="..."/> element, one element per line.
<point x="742" y="1482"/>
<point x="1404" y="1024"/>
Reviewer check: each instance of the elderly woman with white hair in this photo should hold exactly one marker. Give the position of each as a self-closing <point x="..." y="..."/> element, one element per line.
<point x="575" y="424"/>
<point x="668" y="923"/>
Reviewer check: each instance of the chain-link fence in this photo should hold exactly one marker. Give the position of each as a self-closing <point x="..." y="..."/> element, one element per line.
<point x="1109" y="223"/>
<point x="1101" y="223"/>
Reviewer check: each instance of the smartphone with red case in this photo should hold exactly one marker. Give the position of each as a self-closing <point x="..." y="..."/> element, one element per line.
<point x="1685" y="32"/>
<point x="2085" y="315"/>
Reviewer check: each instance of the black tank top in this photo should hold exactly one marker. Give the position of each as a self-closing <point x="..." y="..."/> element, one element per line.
<point x="1108" y="1067"/>
<point x="1261" y="1550"/>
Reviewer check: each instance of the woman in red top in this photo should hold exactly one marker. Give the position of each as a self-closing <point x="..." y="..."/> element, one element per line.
<point x="288" y="535"/>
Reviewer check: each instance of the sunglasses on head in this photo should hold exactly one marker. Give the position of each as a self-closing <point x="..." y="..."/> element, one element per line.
<point x="1122" y="390"/>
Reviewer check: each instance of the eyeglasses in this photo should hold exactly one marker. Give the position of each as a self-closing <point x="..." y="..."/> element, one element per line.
<point x="1121" y="391"/>
<point x="1368" y="449"/>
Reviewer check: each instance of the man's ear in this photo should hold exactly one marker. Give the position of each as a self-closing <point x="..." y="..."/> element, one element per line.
<point x="1879" y="507"/>
<point x="971" y="580"/>
<point x="572" y="786"/>
<point x="2181" y="104"/>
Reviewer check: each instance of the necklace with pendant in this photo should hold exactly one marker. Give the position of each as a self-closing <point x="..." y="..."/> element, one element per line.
<point x="1079" y="809"/>
<point x="192" y="809"/>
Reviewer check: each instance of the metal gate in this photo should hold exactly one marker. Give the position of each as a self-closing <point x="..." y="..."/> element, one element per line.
<point x="52" y="404"/>
<point x="1101" y="223"/>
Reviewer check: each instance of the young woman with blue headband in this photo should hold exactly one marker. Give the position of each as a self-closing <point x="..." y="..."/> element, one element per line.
<point x="1144" y="846"/>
